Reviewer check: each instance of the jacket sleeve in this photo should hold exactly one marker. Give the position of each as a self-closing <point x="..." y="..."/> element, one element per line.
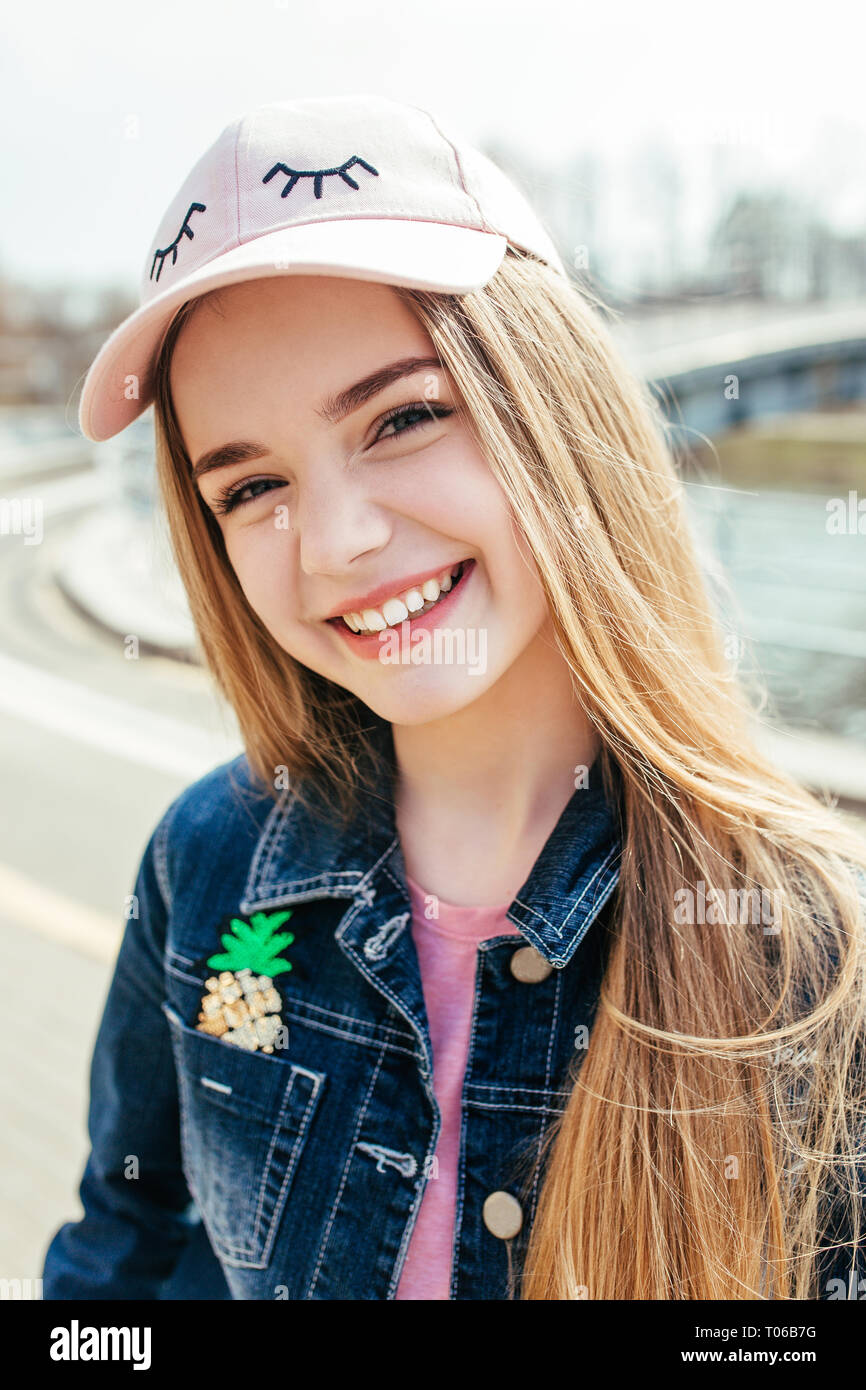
<point x="841" y="1266"/>
<point x="138" y="1214"/>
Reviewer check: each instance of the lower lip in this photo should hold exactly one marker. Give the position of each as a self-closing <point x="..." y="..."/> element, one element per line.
<point x="369" y="644"/>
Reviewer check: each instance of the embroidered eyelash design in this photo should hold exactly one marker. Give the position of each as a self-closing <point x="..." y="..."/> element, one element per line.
<point x="184" y="231"/>
<point x="294" y="175"/>
<point x="319" y="174"/>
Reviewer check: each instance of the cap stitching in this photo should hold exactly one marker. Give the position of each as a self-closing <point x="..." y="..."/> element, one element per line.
<point x="471" y="196"/>
<point x="238" y="185"/>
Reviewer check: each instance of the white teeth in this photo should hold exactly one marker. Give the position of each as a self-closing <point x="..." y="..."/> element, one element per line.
<point x="397" y="609"/>
<point x="394" y="611"/>
<point x="373" y="620"/>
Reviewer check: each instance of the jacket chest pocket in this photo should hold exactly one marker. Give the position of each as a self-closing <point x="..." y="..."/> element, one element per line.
<point x="244" y="1122"/>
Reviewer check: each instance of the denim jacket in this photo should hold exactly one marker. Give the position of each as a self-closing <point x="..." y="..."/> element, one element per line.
<point x="221" y="1172"/>
<point x="307" y="1165"/>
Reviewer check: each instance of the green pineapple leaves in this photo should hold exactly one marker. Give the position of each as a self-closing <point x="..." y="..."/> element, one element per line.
<point x="255" y="945"/>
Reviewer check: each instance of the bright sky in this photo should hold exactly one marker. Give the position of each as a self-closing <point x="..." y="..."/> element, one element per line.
<point x="777" y="87"/>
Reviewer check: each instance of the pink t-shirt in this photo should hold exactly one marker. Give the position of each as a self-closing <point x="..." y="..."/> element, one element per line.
<point x="447" y="952"/>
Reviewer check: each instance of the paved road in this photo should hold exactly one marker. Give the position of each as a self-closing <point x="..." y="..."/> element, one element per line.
<point x="93" y="748"/>
<point x="47" y="1027"/>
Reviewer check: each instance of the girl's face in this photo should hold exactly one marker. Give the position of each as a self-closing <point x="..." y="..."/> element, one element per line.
<point x="346" y="475"/>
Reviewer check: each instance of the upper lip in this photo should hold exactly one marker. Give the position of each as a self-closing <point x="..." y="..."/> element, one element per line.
<point x="390" y="589"/>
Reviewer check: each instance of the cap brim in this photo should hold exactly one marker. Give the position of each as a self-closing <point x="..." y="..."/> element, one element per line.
<point x="419" y="255"/>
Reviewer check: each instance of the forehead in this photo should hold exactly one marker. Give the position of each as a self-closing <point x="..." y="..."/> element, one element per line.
<point x="294" y="308"/>
<point x="272" y="349"/>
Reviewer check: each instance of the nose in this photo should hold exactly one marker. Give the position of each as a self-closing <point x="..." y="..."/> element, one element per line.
<point x="336" y="522"/>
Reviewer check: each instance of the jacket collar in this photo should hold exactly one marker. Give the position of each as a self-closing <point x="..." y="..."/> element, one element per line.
<point x="300" y="857"/>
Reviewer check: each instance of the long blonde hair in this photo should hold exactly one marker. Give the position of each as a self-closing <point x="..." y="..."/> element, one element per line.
<point x="715" y="1124"/>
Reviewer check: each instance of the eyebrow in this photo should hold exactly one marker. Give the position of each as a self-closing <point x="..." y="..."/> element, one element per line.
<point x="333" y="409"/>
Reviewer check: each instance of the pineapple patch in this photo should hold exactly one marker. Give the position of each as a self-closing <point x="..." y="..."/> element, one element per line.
<point x="241" y="1004"/>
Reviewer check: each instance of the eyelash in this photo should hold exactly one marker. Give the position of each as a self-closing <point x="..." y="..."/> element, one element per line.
<point x="228" y="500"/>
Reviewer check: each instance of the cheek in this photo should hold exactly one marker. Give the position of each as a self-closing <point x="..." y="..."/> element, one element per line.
<point x="448" y="488"/>
<point x="259" y="557"/>
<point x="513" y="567"/>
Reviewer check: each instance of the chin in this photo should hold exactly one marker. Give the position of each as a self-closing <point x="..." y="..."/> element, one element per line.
<point x="418" y="699"/>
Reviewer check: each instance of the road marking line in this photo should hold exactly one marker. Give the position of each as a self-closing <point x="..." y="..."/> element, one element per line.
<point x="127" y="731"/>
<point x="59" y="918"/>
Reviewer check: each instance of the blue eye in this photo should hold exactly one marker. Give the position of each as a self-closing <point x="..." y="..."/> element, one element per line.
<point x="422" y="408"/>
<point x="229" y="498"/>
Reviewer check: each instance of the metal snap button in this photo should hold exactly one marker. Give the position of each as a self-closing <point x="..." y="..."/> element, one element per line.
<point x="503" y="1215"/>
<point x="529" y="965"/>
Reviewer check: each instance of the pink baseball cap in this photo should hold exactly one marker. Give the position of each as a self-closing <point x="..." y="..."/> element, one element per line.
<point x="358" y="186"/>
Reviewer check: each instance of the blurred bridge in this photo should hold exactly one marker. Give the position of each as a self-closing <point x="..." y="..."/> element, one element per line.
<point x="715" y="367"/>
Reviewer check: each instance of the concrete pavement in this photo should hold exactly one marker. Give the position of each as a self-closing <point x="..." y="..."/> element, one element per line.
<point x="52" y="1005"/>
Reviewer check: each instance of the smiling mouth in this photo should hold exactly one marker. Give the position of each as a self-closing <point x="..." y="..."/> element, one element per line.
<point x="459" y="575"/>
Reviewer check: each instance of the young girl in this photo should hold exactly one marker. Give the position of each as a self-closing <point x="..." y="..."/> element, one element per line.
<point x="501" y="964"/>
